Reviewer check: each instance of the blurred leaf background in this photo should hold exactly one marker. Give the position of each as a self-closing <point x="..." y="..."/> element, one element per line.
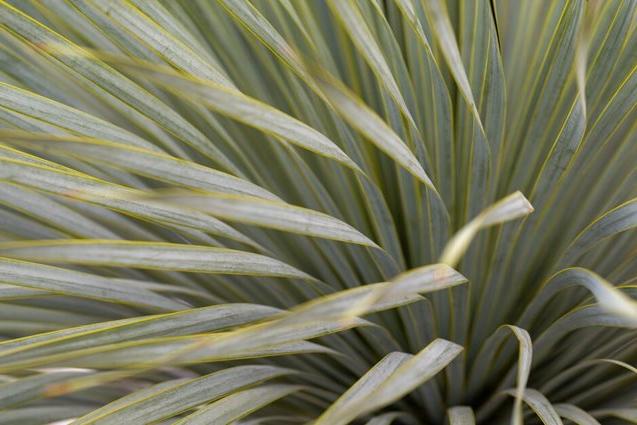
<point x="323" y="211"/>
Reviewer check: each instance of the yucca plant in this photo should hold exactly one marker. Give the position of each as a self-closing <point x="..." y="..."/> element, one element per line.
<point x="318" y="211"/>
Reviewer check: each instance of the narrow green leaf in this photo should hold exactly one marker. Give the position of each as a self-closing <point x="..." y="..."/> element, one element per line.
<point x="136" y="160"/>
<point x="238" y="405"/>
<point x="58" y="114"/>
<point x="45" y="209"/>
<point x="488" y="358"/>
<point x="140" y="355"/>
<point x="174" y="50"/>
<point x="185" y="322"/>
<point x="76" y="185"/>
<point x="244" y="109"/>
<point x="354" y="24"/>
<point x="259" y="27"/>
<point x="342" y="410"/>
<point x="79" y="284"/>
<point x="369" y="124"/>
<point x="168" y="401"/>
<point x="403" y="289"/>
<point x="150" y="255"/>
<point x="620" y="219"/>
<point x="435" y="104"/>
<point x="610" y="299"/>
<point x="510" y="208"/>
<point x="271" y="214"/>
<point x="541" y="406"/>
<point x="525" y="358"/>
<point x="392" y="378"/>
<point x="439" y="18"/>
<point x="25" y="389"/>
<point x="575" y="414"/>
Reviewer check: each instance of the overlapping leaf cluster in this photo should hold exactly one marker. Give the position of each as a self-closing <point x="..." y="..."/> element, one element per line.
<point x="275" y="211"/>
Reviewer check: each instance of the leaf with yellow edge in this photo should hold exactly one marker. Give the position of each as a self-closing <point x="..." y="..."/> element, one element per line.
<point x="509" y="208"/>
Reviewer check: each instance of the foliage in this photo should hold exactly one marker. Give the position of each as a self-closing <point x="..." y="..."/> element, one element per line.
<point x="275" y="211"/>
